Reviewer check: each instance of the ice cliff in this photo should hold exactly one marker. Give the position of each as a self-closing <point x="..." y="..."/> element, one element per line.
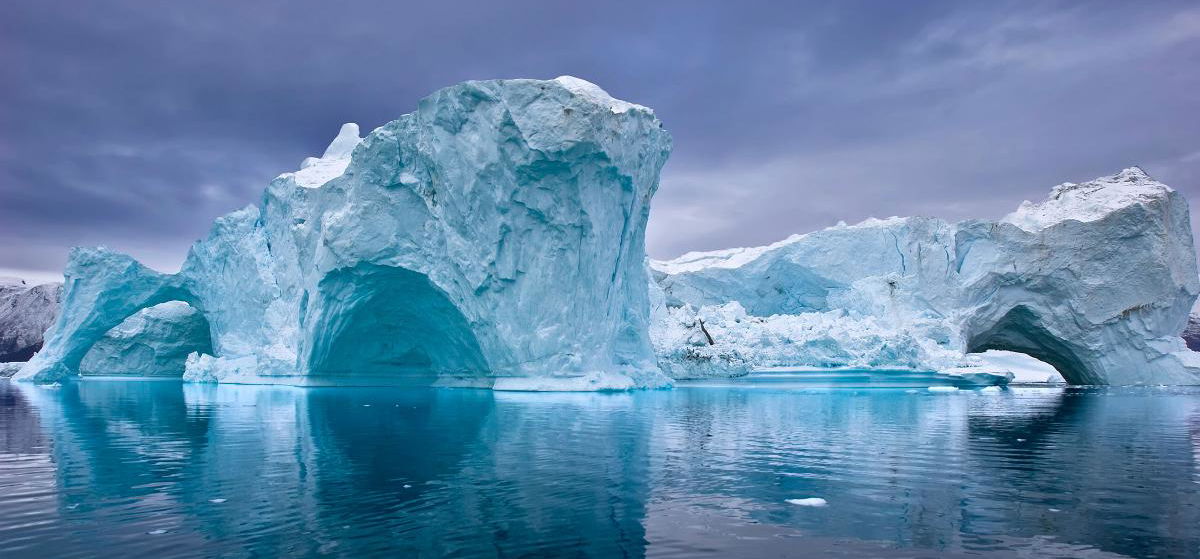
<point x="493" y="237"/>
<point x="1097" y="281"/>
<point x="26" y="311"/>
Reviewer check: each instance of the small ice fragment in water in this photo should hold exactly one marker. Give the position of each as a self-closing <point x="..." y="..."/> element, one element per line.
<point x="1055" y="510"/>
<point x="911" y="391"/>
<point x="366" y="405"/>
<point x="943" y="389"/>
<point x="809" y="502"/>
<point x="1020" y="440"/>
<point x="406" y="486"/>
<point x="217" y="501"/>
<point x="156" y="532"/>
<point x="992" y="388"/>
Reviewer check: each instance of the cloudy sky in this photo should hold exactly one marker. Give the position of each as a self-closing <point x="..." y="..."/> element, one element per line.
<point x="133" y="124"/>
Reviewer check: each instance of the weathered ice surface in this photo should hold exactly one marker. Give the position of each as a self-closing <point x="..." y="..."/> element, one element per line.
<point x="26" y="311"/>
<point x="155" y="341"/>
<point x="1096" y="281"/>
<point x="494" y="237"/>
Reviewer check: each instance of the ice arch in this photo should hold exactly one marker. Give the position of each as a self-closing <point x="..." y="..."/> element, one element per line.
<point x="154" y="341"/>
<point x="378" y="324"/>
<point x="101" y="290"/>
<point x="1022" y="330"/>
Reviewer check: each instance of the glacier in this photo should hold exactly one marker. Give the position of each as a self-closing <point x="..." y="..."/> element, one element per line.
<point x="26" y="311"/>
<point x="494" y="237"/>
<point x="1096" y="281"/>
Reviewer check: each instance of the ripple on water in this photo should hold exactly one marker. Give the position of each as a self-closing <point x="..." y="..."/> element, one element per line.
<point x="164" y="469"/>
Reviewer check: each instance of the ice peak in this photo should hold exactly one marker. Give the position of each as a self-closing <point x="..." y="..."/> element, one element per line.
<point x="343" y="145"/>
<point x="595" y="94"/>
<point x="316" y="171"/>
<point x="1089" y="201"/>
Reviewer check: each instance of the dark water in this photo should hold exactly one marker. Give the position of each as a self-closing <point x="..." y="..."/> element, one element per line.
<point x="129" y="468"/>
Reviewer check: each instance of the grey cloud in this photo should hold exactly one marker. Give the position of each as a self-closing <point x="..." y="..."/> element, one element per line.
<point x="133" y="125"/>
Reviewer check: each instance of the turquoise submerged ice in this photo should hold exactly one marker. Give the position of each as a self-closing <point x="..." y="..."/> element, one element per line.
<point x="494" y="237"/>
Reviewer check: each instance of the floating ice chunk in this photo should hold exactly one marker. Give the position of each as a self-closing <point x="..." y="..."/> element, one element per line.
<point x="808" y="502"/>
<point x="217" y="501"/>
<point x="943" y="389"/>
<point x="157" y="532"/>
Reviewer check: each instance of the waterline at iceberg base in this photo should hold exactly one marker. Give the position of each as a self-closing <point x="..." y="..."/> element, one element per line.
<point x="495" y="238"/>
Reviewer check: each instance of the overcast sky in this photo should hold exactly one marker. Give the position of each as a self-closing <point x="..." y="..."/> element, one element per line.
<point x="134" y="124"/>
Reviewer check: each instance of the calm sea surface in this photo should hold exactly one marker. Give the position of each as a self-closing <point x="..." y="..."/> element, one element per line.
<point x="162" y="469"/>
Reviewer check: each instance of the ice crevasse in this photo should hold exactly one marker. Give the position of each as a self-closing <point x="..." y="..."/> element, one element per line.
<point x="495" y="237"/>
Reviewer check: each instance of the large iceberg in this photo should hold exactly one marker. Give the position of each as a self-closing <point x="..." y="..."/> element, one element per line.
<point x="1096" y="281"/>
<point x="494" y="237"/>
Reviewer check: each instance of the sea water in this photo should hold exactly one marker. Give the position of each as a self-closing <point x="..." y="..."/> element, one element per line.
<point x="162" y="469"/>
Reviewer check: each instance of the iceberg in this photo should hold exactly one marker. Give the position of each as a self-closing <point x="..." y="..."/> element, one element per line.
<point x="1096" y="281"/>
<point x="494" y="237"/>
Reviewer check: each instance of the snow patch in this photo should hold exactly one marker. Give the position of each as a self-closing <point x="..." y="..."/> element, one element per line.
<point x="316" y="171"/>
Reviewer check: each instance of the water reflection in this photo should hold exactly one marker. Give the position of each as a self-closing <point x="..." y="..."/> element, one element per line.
<point x="163" y="468"/>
